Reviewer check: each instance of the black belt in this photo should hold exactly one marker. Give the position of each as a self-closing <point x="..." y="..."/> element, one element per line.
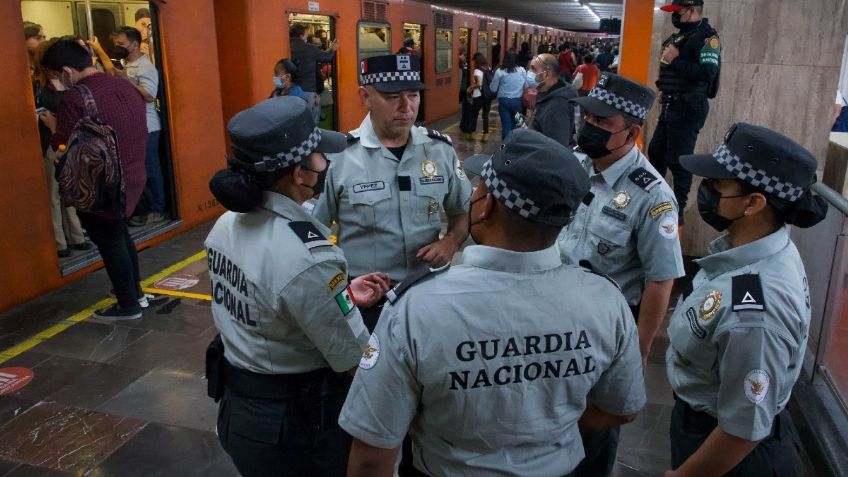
<point x="272" y="386"/>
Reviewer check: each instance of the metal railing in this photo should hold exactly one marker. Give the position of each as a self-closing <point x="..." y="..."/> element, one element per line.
<point x="832" y="197"/>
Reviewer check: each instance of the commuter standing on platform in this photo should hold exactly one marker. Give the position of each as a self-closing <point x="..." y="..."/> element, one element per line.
<point x="387" y="190"/>
<point x="627" y="225"/>
<point x="489" y="364"/>
<point x="289" y="328"/>
<point x="689" y="74"/>
<point x="307" y="56"/>
<point x="738" y="336"/>
<point x="554" y="115"/>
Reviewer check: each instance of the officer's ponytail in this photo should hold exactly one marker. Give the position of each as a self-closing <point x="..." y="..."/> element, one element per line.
<point x="236" y="190"/>
<point x="806" y="212"/>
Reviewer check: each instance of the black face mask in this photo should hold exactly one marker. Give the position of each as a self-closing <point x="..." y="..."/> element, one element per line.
<point x="708" y="201"/>
<point x="470" y="223"/>
<point x="593" y="141"/>
<point x="677" y="20"/>
<point x="121" y="53"/>
<point x="318" y="187"/>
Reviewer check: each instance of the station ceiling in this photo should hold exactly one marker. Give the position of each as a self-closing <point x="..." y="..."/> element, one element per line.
<point x="564" y="14"/>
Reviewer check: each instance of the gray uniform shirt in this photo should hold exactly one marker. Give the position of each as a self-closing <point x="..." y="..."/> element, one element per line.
<point x="279" y="292"/>
<point x="491" y="363"/>
<point x="143" y="73"/>
<point x="629" y="229"/>
<point x="387" y="209"/>
<point x="738" y="339"/>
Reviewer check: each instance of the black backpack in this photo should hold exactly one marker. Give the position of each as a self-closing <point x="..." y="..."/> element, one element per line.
<point x="487" y="84"/>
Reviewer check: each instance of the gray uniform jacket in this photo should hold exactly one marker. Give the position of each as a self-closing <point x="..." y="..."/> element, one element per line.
<point x="738" y="339"/>
<point x="554" y="116"/>
<point x="491" y="363"/>
<point x="279" y="292"/>
<point x="387" y="209"/>
<point x="627" y="226"/>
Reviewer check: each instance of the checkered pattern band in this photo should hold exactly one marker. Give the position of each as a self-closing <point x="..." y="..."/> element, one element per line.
<point x="622" y="104"/>
<point x="757" y="177"/>
<point x="511" y="198"/>
<point x="290" y="157"/>
<point x="391" y="77"/>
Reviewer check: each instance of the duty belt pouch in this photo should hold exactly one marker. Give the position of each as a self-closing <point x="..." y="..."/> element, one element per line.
<point x="215" y="368"/>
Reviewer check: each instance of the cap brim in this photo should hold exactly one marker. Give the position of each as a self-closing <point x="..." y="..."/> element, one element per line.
<point x="331" y="141"/>
<point x="671" y="8"/>
<point x="705" y="165"/>
<point x="473" y="165"/>
<point x="596" y="107"/>
<point x="398" y="86"/>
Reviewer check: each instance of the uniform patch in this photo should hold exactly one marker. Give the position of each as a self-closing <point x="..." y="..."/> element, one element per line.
<point x="433" y="134"/>
<point x="714" y="43"/>
<point x="614" y="213"/>
<point x="602" y="82"/>
<point x="432" y="180"/>
<point x="603" y="248"/>
<point x="711" y="304"/>
<point x="757" y="383"/>
<point x="369" y="186"/>
<point x="428" y="168"/>
<point x="371" y="353"/>
<point x="460" y="172"/>
<point x="661" y="209"/>
<point x="335" y="281"/>
<point x="309" y="234"/>
<point x="345" y="302"/>
<point x="644" y="179"/>
<point x="711" y="52"/>
<point x="403" y="63"/>
<point x="694" y="326"/>
<point x="621" y="199"/>
<point x="748" y="293"/>
<point x="668" y="227"/>
<point x="433" y="208"/>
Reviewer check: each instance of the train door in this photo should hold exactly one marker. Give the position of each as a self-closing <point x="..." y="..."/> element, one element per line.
<point x="483" y="44"/>
<point x="416" y="32"/>
<point x="497" y="46"/>
<point x="322" y="28"/>
<point x="514" y="42"/>
<point x="465" y="50"/>
<point x="157" y="212"/>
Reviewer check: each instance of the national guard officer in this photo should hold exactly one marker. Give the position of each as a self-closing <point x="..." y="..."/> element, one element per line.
<point x="386" y="191"/>
<point x="286" y="313"/>
<point x="491" y="361"/>
<point x="689" y="74"/>
<point x="626" y="226"/>
<point x="738" y="337"/>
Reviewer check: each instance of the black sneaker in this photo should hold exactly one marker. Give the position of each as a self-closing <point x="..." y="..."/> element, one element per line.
<point x="64" y="253"/>
<point x="82" y="246"/>
<point x="115" y="313"/>
<point x="138" y="221"/>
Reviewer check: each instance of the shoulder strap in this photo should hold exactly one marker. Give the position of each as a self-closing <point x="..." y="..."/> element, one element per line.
<point x="440" y="136"/>
<point x="88" y="99"/>
<point x="395" y="293"/>
<point x="351" y="139"/>
<point x="748" y="293"/>
<point x="309" y="234"/>
<point x="644" y="179"/>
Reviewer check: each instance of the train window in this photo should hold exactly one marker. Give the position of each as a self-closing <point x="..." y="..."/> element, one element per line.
<point x="100" y="20"/>
<point x="374" y="39"/>
<point x="444" y="49"/>
<point x="483" y="43"/>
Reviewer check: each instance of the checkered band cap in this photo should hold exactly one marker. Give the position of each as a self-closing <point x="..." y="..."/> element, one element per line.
<point x="757" y="177"/>
<point x="509" y="197"/>
<point x="290" y="157"/>
<point x="390" y="77"/>
<point x="618" y="102"/>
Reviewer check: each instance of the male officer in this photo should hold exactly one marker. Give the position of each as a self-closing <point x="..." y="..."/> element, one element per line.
<point x="626" y="226"/>
<point x="689" y="74"/>
<point x="738" y="337"/>
<point x="282" y="302"/>
<point x="386" y="190"/>
<point x="489" y="364"/>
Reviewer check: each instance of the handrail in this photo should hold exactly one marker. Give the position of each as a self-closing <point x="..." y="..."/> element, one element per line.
<point x="832" y="197"/>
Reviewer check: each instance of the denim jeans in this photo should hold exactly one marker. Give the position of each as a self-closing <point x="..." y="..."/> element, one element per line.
<point x="117" y="249"/>
<point x="508" y="108"/>
<point x="155" y="184"/>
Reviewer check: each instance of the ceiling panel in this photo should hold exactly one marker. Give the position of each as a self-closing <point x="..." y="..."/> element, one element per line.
<point x="564" y="14"/>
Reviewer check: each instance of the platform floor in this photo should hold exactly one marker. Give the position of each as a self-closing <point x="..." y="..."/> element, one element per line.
<point x="129" y="399"/>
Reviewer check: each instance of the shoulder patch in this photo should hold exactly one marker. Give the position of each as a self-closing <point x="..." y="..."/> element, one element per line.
<point x="438" y="135"/>
<point x="748" y="293"/>
<point x="589" y="268"/>
<point x="351" y="139"/>
<point x="644" y="179"/>
<point x="661" y="208"/>
<point x="711" y="52"/>
<point x="309" y="234"/>
<point x="395" y="293"/>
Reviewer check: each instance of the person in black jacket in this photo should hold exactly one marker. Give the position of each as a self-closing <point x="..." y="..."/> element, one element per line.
<point x="307" y="57"/>
<point x="554" y="115"/>
<point x="689" y="72"/>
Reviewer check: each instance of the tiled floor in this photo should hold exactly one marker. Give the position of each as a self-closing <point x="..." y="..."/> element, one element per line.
<point x="129" y="399"/>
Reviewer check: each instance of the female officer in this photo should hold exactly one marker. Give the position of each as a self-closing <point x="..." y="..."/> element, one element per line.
<point x="738" y="338"/>
<point x="287" y="317"/>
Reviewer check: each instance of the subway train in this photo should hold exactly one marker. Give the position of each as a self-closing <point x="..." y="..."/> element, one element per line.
<point x="215" y="58"/>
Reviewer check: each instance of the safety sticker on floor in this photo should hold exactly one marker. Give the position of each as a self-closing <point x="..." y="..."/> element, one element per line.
<point x="12" y="379"/>
<point x="180" y="281"/>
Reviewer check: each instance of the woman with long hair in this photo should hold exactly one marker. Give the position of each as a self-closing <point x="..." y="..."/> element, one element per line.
<point x="509" y="81"/>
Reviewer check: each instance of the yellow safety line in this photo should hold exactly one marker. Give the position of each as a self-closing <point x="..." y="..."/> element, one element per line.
<point x="160" y="291"/>
<point x="54" y="330"/>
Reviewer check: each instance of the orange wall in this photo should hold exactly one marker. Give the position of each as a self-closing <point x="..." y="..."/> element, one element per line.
<point x="27" y="250"/>
<point x="636" y="31"/>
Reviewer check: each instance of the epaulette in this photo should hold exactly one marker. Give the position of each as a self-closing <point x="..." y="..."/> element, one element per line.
<point x="395" y="293"/>
<point x="644" y="179"/>
<point x="748" y="293"/>
<point x="351" y="139"/>
<point x="588" y="267"/>
<point x="309" y="234"/>
<point x="432" y="133"/>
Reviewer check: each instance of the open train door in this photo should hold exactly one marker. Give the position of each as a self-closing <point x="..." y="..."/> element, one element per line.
<point x="323" y="29"/>
<point x="416" y="32"/>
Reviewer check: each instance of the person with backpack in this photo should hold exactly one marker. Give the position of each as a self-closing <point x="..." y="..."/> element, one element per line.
<point x="481" y="93"/>
<point x="554" y="116"/>
<point x="101" y="134"/>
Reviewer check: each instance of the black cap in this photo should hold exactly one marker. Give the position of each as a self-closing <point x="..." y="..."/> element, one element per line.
<point x="677" y="5"/>
<point x="392" y="73"/>
<point x="278" y="133"/>
<point x="761" y="157"/>
<point x="534" y="176"/>
<point x="614" y="94"/>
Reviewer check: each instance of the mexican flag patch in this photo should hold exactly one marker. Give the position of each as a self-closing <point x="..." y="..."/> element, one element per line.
<point x="345" y="302"/>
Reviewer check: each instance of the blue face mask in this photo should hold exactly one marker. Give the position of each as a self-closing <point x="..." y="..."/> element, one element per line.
<point x="278" y="82"/>
<point x="531" y="79"/>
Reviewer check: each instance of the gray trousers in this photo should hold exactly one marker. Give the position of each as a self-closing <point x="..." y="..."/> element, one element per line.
<point x="66" y="225"/>
<point x="313" y="102"/>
